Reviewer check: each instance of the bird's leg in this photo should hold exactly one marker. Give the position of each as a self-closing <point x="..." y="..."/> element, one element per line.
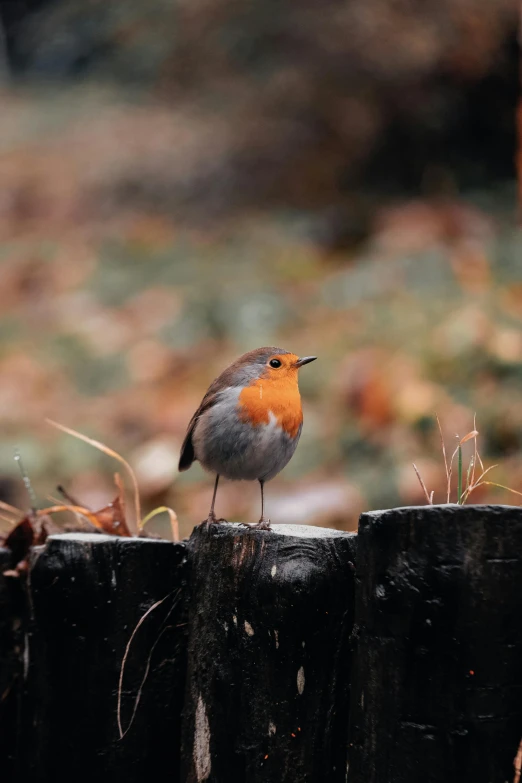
<point x="212" y="519"/>
<point x="263" y="524"/>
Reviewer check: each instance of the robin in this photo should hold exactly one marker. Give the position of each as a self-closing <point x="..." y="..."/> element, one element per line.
<point x="249" y="422"/>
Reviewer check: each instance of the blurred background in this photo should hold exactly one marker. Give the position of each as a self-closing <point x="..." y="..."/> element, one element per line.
<point x="184" y="181"/>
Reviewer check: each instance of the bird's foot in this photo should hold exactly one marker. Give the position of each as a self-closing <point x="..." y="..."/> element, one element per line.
<point x="263" y="524"/>
<point x="212" y="520"/>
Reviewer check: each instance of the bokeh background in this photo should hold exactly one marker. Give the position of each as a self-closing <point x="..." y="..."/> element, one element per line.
<point x="182" y="181"/>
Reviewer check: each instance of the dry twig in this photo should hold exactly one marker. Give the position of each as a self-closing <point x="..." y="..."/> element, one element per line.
<point x="429" y="497"/>
<point x="111" y="453"/>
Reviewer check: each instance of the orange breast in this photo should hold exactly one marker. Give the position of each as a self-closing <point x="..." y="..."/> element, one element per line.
<point x="281" y="398"/>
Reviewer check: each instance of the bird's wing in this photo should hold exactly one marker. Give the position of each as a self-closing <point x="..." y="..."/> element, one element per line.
<point x="228" y="378"/>
<point x="187" y="455"/>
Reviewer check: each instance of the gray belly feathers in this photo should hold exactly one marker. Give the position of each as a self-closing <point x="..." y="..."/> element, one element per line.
<point x="226" y="445"/>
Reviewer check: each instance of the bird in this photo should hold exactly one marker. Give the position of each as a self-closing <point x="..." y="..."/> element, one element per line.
<point x="249" y="422"/>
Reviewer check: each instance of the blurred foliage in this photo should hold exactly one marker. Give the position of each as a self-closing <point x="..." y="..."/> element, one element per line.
<point x="290" y="103"/>
<point x="180" y="183"/>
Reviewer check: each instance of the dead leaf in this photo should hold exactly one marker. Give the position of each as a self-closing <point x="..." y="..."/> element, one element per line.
<point x="43" y="527"/>
<point x="112" y="517"/>
<point x="20" y="539"/>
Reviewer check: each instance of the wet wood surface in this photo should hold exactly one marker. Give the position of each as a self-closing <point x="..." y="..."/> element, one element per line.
<point x="88" y="594"/>
<point x="13" y="640"/>
<point x="270" y="618"/>
<point x="437" y="680"/>
<point x="297" y="655"/>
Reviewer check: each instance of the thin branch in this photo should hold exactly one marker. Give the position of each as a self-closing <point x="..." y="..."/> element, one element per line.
<point x="469" y="436"/>
<point x="111" y="453"/>
<point x="450" y="471"/>
<point x="423" y="485"/>
<point x="459" y="485"/>
<point x="475" y="449"/>
<point x="80" y="518"/>
<point x="478" y="482"/>
<point x="448" y="476"/>
<point x="500" y="486"/>
<point x="469" y="474"/>
<point x="66" y="496"/>
<point x="142" y="683"/>
<point x="83" y="512"/>
<point x="174" y="524"/>
<point x="125" y="656"/>
<point x="12" y="509"/>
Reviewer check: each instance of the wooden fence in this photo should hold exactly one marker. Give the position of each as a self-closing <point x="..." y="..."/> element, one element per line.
<point x="301" y="655"/>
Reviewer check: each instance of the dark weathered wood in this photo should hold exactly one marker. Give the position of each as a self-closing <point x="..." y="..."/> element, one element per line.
<point x="437" y="681"/>
<point x="269" y="655"/>
<point x="13" y="628"/>
<point x="88" y="594"/>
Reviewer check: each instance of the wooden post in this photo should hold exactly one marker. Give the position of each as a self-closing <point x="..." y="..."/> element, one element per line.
<point x="268" y="680"/>
<point x="13" y="629"/>
<point x="89" y="592"/>
<point x="437" y="681"/>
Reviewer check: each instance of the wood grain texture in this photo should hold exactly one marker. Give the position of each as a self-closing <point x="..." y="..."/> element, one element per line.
<point x="437" y="680"/>
<point x="13" y="640"/>
<point x="270" y="618"/>
<point x="88" y="594"/>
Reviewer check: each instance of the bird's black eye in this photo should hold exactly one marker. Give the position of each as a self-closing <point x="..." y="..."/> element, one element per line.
<point x="275" y="363"/>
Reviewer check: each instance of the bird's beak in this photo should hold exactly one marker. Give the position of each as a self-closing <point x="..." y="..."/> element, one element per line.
<point x="305" y="360"/>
